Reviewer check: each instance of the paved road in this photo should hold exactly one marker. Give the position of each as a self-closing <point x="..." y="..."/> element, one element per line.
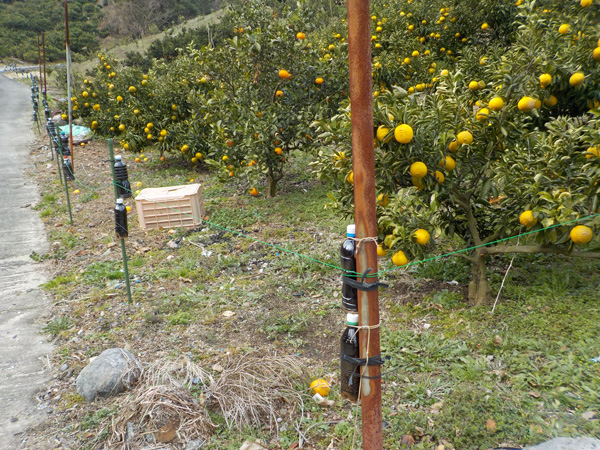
<point x="23" y="349"/>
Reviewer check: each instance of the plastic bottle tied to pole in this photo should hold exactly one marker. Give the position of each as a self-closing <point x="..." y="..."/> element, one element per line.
<point x="122" y="178"/>
<point x="68" y="169"/>
<point x="348" y="262"/>
<point x="121" y="220"/>
<point x="350" y="370"/>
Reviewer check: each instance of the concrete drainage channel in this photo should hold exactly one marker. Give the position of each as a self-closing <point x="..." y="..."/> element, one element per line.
<point x="23" y="349"/>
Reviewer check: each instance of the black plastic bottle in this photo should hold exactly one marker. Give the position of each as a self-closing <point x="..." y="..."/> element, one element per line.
<point x="121" y="219"/>
<point x="68" y="169"/>
<point x="64" y="142"/>
<point x="123" y="186"/>
<point x="349" y="295"/>
<point x="350" y="371"/>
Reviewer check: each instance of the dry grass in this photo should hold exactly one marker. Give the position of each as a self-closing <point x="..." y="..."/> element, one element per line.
<point x="171" y="401"/>
<point x="252" y="390"/>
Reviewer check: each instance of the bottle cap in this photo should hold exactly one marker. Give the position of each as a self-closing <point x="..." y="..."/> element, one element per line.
<point x="117" y="157"/>
<point x="352" y="319"/>
<point x="119" y="201"/>
<point x="351" y="230"/>
<point x="66" y="158"/>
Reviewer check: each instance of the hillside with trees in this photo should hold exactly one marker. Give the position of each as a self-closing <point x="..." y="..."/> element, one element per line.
<point x="22" y="21"/>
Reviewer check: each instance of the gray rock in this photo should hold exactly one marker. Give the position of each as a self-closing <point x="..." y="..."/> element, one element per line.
<point x="64" y="367"/>
<point x="563" y="443"/>
<point x="110" y="373"/>
<point x="172" y="244"/>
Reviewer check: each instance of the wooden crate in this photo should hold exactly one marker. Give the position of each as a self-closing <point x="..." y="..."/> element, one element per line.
<point x="170" y="207"/>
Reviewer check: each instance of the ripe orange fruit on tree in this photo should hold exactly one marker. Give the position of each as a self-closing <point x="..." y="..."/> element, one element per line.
<point x="591" y="152"/>
<point x="545" y="80"/>
<point x="319" y="80"/>
<point x="403" y="133"/>
<point x="577" y="79"/>
<point x="526" y="104"/>
<point x="279" y="94"/>
<point x="381" y="251"/>
<point x="279" y="150"/>
<point x="421" y="236"/>
<point x="300" y="35"/>
<point x="399" y="258"/>
<point x="418" y="169"/>
<point x="447" y="163"/>
<point x="382" y="132"/>
<point x="284" y="74"/>
<point x="527" y="219"/>
<point x="581" y="234"/>
<point x="496" y="104"/>
<point x="464" y="137"/>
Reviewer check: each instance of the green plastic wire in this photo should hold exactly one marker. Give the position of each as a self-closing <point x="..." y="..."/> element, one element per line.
<point x="376" y="274"/>
<point x="349" y="272"/>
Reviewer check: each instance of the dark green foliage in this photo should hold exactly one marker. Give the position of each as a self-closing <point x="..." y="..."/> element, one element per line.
<point x="22" y="22"/>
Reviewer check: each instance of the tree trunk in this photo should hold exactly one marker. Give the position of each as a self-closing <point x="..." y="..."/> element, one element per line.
<point x="272" y="181"/>
<point x="479" y="287"/>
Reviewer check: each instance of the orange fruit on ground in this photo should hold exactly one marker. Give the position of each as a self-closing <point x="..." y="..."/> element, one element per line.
<point x="320" y="386"/>
<point x="581" y="234"/>
<point x="137" y="159"/>
<point x="162" y="158"/>
<point x="253" y="192"/>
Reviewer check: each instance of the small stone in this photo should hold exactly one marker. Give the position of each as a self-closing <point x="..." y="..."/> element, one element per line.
<point x="64" y="367"/>
<point x="172" y="244"/>
<point x="589" y="415"/>
<point x="110" y="373"/>
<point x="194" y="445"/>
<point x="14" y="419"/>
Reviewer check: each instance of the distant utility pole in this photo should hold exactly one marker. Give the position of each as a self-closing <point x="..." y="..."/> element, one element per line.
<point x="363" y="166"/>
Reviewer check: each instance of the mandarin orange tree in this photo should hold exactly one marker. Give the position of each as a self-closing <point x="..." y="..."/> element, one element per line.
<point x="480" y="137"/>
<point x="267" y="86"/>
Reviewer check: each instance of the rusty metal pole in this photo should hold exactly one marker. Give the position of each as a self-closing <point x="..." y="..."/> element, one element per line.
<point x="363" y="165"/>
<point x="69" y="85"/>
<point x="39" y="62"/>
